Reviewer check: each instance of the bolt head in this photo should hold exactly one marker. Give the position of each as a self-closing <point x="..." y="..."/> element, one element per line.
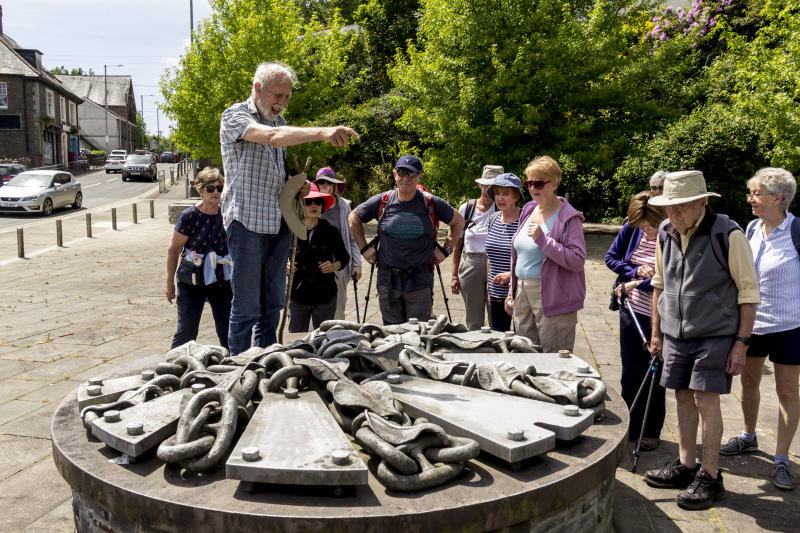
<point x="431" y="321"/>
<point x="95" y="381"/>
<point x="147" y="375"/>
<point x="111" y="416"/>
<point x="509" y="334"/>
<point x="584" y="369"/>
<point x="290" y="393"/>
<point x="516" y="434"/>
<point x="413" y="320"/>
<point x="135" y="428"/>
<point x="564" y="353"/>
<point x="197" y="387"/>
<point x="94" y="390"/>
<point x="571" y="410"/>
<point x="393" y="378"/>
<point x="486" y="329"/>
<point x="341" y="457"/>
<point x="251" y="454"/>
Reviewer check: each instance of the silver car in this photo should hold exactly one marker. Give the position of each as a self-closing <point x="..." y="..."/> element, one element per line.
<point x="40" y="191"/>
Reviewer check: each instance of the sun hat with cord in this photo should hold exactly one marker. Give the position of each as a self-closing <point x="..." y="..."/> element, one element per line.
<point x="681" y="188"/>
<point x="506" y="180"/>
<point x="327" y="174"/>
<point x="328" y="198"/>
<point x="490" y="172"/>
<point x="292" y="207"/>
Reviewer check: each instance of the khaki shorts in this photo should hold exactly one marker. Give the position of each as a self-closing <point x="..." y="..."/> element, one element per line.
<point x="697" y="364"/>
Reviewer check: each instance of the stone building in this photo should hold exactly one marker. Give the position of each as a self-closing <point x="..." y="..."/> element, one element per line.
<point x="38" y="113"/>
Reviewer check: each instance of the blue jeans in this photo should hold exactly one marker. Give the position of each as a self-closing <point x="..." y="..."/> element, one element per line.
<point x="258" y="284"/>
<point x="191" y="300"/>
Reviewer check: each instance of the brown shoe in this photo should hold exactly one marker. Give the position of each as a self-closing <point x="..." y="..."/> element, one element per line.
<point x="648" y="444"/>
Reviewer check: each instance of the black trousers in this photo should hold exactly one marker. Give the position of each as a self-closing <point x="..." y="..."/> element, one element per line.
<point x="499" y="320"/>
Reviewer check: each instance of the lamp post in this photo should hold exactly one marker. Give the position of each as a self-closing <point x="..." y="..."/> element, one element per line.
<point x="142" y="114"/>
<point x="191" y="21"/>
<point x="105" y="87"/>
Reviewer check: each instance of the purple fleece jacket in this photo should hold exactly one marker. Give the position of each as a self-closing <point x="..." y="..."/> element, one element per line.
<point x="563" y="279"/>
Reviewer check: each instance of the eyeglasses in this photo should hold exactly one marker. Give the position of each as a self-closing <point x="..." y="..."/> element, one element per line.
<point x="757" y="195"/>
<point x="314" y="201"/>
<point x="403" y="173"/>
<point x="682" y="208"/>
<point x="536" y="184"/>
<point x="323" y="182"/>
<point x="212" y="188"/>
<point x="655" y="188"/>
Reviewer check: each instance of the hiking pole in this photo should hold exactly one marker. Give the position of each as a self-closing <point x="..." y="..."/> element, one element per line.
<point x="637" y="453"/>
<point x="371" y="244"/>
<point x="444" y="294"/>
<point x="354" y="277"/>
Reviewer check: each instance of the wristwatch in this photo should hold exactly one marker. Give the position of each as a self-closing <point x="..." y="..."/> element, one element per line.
<point x="448" y="251"/>
<point x="744" y="340"/>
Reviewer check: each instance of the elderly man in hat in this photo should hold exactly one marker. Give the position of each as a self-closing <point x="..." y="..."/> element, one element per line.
<point x="469" y="254"/>
<point x="254" y="137"/>
<point x="408" y="250"/>
<point x="704" y="305"/>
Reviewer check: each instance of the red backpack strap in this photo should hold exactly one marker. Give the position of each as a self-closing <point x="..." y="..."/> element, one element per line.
<point x="431" y="209"/>
<point x="384" y="203"/>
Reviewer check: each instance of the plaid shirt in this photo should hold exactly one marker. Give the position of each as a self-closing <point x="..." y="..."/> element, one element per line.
<point x="254" y="173"/>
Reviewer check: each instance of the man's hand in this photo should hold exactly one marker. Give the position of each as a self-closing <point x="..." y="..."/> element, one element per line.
<point x="340" y="135"/>
<point x="736" y="359"/>
<point x="455" y="286"/>
<point x="656" y="345"/>
<point x="304" y="190"/>
<point x="169" y="291"/>
<point x="370" y="256"/>
<point x="357" y="272"/>
<point x="438" y="257"/>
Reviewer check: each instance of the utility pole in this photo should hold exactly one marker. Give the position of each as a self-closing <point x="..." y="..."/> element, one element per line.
<point x="191" y="21"/>
<point x="141" y="114"/>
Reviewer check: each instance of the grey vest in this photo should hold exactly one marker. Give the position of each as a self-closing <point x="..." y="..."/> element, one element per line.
<point x="699" y="297"/>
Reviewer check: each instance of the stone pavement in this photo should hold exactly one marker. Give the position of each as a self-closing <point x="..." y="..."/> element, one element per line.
<point x="67" y="314"/>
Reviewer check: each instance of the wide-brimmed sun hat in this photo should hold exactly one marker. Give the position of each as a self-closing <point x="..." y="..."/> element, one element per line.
<point x="490" y="172"/>
<point x="506" y="180"/>
<point x="329" y="199"/>
<point x="327" y="174"/>
<point x="681" y="188"/>
<point x="292" y="207"/>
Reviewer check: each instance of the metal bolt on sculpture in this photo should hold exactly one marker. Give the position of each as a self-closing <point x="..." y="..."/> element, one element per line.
<point x="421" y="397"/>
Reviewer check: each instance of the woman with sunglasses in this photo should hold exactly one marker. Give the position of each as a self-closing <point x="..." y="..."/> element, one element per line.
<point x="548" y="252"/>
<point x="317" y="260"/>
<point x="327" y="183"/>
<point x="200" y="245"/>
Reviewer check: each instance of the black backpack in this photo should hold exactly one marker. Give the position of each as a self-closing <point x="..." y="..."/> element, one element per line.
<point x="795" y="231"/>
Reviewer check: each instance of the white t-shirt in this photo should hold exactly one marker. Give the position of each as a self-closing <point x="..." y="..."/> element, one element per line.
<point x="475" y="237"/>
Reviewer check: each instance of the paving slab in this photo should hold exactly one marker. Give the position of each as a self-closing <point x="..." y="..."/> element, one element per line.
<point x="27" y="450"/>
<point x="35" y="424"/>
<point x="16" y="408"/>
<point x="10" y="368"/>
<point x="32" y="493"/>
<point x="61" y="369"/>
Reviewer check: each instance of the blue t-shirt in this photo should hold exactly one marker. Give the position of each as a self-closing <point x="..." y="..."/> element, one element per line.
<point x="406" y="237"/>
<point x="529" y="255"/>
<point x="205" y="233"/>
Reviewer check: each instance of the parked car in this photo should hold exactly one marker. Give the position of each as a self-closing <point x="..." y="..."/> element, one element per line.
<point x="9" y="170"/>
<point x="140" y="165"/>
<point x="40" y="191"/>
<point x="114" y="163"/>
<point x="167" y="157"/>
<point x="123" y="153"/>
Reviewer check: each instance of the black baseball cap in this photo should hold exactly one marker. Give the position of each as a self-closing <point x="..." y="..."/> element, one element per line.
<point x="409" y="162"/>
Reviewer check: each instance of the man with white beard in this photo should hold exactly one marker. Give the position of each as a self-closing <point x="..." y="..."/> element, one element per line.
<point x="254" y="137"/>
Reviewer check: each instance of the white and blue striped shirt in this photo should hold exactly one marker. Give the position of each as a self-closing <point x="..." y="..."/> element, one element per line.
<point x="778" y="268"/>
<point x="498" y="251"/>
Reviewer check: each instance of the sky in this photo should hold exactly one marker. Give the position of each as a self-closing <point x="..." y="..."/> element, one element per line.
<point x="146" y="36"/>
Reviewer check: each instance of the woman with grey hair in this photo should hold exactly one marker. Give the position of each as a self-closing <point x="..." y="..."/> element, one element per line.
<point x="657" y="181"/>
<point x="776" y="331"/>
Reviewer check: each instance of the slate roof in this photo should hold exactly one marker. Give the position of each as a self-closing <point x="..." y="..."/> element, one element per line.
<point x="12" y="63"/>
<point x="93" y="88"/>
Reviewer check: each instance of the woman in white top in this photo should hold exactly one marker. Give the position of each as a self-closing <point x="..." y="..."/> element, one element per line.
<point x="776" y="332"/>
<point x="469" y="254"/>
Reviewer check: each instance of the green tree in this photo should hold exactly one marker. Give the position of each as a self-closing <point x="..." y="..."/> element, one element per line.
<point x="74" y="72"/>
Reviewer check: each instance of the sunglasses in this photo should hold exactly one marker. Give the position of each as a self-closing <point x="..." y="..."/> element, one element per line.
<point x="323" y="182"/>
<point x="536" y="184"/>
<point x="403" y="173"/>
<point x="314" y="201"/>
<point x="212" y="188"/>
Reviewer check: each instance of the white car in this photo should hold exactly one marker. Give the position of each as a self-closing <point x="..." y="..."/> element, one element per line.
<point x="123" y="153"/>
<point x="40" y="191"/>
<point x="114" y="163"/>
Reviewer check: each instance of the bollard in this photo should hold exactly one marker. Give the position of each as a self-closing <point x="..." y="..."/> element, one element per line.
<point x="59" y="234"/>
<point x="133" y="207"/>
<point x="89" y="225"/>
<point x="114" y="218"/>
<point x="20" y="244"/>
<point x="152" y="209"/>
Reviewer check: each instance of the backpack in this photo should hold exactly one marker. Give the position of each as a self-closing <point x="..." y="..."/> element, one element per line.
<point x="469" y="213"/>
<point x="721" y="229"/>
<point x="794" y="230"/>
<point x="428" y="200"/>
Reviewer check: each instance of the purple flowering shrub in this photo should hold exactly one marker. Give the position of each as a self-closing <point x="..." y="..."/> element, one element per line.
<point x="695" y="24"/>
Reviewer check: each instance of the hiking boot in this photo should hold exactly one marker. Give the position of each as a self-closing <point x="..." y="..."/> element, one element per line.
<point x="673" y="476"/>
<point x="702" y="493"/>
<point x="649" y="444"/>
<point x="737" y="445"/>
<point x="782" y="477"/>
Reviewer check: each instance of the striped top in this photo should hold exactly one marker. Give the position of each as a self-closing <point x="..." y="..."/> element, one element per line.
<point x="778" y="270"/>
<point x="645" y="254"/>
<point x="498" y="250"/>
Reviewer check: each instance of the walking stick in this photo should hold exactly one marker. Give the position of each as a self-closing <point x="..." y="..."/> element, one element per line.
<point x="354" y="277"/>
<point x="372" y="244"/>
<point x="444" y="294"/>
<point x="292" y="252"/>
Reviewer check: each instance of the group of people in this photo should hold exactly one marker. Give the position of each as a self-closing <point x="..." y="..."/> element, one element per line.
<point x="713" y="300"/>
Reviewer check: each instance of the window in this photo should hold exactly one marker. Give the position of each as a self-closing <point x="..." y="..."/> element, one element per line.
<point x="10" y="122"/>
<point x="73" y="117"/>
<point x="3" y="95"/>
<point x="51" y="105"/>
<point x="63" y="109"/>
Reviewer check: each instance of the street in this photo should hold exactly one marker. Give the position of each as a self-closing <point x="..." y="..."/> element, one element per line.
<point x="99" y="189"/>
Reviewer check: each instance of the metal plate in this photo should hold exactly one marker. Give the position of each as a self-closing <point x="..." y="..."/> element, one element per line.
<point x="295" y="438"/>
<point x="545" y="363"/>
<point x="487" y="416"/>
<point x="110" y="392"/>
<point x="159" y="417"/>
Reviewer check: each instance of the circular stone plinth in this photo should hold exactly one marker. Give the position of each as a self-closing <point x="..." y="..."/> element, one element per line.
<point x="568" y="488"/>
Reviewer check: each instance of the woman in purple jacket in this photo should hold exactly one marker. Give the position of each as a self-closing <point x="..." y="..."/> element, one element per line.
<point x="548" y="252"/>
<point x="632" y="255"/>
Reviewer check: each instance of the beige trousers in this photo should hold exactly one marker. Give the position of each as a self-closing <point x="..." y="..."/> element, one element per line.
<point x="553" y="333"/>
